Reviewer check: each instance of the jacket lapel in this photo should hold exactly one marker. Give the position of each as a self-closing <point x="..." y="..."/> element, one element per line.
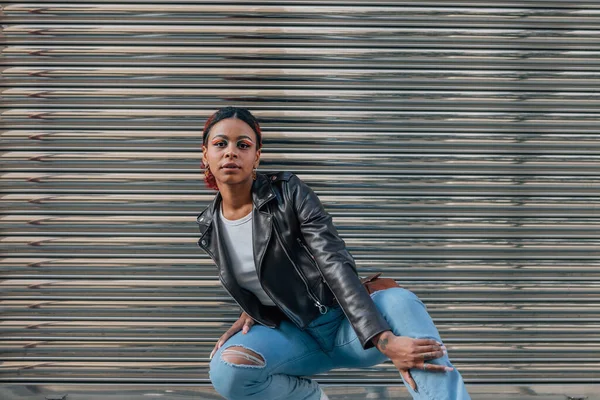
<point x="262" y="221"/>
<point x="209" y="229"/>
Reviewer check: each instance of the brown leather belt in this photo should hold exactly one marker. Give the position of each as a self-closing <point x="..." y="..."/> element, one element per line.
<point x="374" y="283"/>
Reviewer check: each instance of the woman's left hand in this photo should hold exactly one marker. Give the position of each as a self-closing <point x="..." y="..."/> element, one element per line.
<point x="406" y="353"/>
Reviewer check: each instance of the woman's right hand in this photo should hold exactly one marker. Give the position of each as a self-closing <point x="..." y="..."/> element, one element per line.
<point x="244" y="323"/>
<point x="406" y="353"/>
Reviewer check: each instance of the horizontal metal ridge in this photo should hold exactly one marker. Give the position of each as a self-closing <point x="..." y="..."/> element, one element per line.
<point x="406" y="9"/>
<point x="531" y="4"/>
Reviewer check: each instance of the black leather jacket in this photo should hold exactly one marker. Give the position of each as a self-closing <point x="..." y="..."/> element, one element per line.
<point x="301" y="261"/>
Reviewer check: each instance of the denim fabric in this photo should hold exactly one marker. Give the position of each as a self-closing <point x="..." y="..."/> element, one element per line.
<point x="291" y="355"/>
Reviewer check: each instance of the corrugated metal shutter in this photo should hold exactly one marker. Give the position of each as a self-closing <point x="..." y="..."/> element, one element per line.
<point x="456" y="144"/>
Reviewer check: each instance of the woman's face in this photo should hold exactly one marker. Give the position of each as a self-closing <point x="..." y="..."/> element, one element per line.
<point x="231" y="151"/>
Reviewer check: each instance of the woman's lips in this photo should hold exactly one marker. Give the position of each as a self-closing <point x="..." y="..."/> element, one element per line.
<point x="230" y="166"/>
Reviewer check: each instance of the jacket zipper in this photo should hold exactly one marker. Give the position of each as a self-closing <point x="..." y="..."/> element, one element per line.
<point x="229" y="291"/>
<point x="322" y="307"/>
<point x="305" y="249"/>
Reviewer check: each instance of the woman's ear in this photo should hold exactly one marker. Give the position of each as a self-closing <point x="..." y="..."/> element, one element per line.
<point x="204" y="160"/>
<point x="257" y="159"/>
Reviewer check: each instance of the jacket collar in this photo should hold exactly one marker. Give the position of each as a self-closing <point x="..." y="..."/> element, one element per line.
<point x="262" y="192"/>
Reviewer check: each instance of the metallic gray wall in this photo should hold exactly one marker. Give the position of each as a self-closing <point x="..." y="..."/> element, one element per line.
<point x="456" y="144"/>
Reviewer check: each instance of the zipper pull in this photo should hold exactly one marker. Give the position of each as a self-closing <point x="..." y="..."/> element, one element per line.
<point x="322" y="308"/>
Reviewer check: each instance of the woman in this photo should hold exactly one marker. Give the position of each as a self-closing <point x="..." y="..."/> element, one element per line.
<point x="281" y="258"/>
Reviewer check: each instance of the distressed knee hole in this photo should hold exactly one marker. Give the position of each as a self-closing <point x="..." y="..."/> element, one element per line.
<point x="236" y="355"/>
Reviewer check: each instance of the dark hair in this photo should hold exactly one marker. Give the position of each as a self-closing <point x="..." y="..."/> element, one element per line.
<point x="240" y="113"/>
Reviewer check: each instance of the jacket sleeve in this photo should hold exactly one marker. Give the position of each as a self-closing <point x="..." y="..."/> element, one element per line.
<point x="336" y="264"/>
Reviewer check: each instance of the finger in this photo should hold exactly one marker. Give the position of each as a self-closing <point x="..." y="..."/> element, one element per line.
<point x="230" y="332"/>
<point x="426" y="342"/>
<point x="212" y="353"/>
<point x="408" y="378"/>
<point x="223" y="339"/>
<point x="436" y="368"/>
<point x="247" y="325"/>
<point x="430" y="348"/>
<point x="431" y="355"/>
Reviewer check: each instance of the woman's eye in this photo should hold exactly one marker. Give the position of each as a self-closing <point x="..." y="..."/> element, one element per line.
<point x="220" y="144"/>
<point x="243" y="145"/>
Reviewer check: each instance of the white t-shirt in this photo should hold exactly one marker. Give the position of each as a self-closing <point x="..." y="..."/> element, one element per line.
<point x="237" y="235"/>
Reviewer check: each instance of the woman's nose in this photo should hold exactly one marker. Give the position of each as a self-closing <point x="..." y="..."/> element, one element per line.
<point x="231" y="151"/>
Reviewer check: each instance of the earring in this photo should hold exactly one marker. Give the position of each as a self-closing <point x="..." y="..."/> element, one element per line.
<point x="254" y="174"/>
<point x="207" y="172"/>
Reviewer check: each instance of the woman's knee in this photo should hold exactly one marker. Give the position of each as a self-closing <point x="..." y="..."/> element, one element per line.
<point x="405" y="313"/>
<point x="232" y="370"/>
<point x="396" y="298"/>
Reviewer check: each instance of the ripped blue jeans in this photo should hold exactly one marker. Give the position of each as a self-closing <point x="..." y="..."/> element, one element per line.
<point x="287" y="356"/>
